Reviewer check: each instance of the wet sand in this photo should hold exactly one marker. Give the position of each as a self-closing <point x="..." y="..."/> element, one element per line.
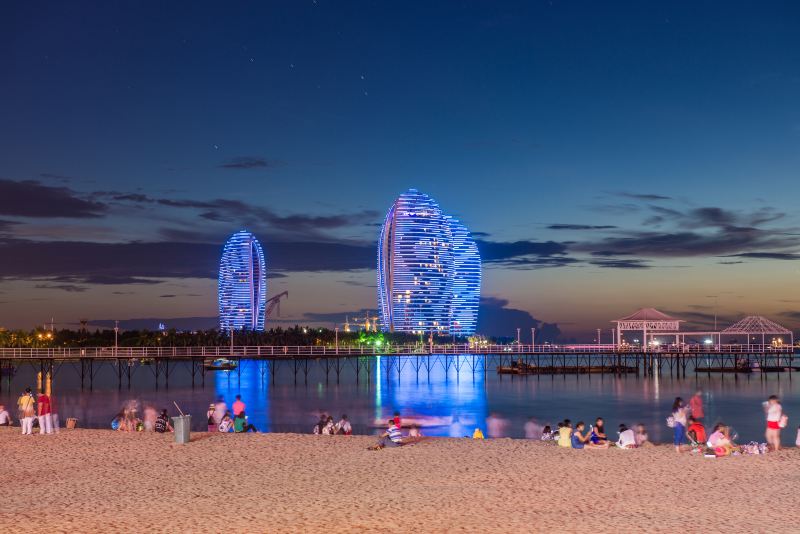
<point x="102" y="481"/>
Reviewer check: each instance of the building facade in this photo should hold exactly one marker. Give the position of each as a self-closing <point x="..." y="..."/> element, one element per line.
<point x="429" y="270"/>
<point x="242" y="288"/>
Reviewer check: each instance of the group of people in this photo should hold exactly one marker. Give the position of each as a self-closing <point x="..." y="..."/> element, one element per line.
<point x="128" y="420"/>
<point x="33" y="410"/>
<point x="326" y="427"/>
<point x="689" y="431"/>
<point x="221" y="420"/>
<point x="577" y="436"/>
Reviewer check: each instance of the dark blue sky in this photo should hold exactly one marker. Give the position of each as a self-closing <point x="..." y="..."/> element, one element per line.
<point x="613" y="154"/>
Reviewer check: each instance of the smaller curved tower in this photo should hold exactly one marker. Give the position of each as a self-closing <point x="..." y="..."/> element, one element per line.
<point x="242" y="288"/>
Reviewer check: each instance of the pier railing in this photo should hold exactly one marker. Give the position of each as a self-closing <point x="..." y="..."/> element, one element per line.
<point x="291" y="352"/>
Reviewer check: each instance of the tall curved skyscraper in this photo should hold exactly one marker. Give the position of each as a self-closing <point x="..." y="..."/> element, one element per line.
<point x="466" y="282"/>
<point x="242" y="287"/>
<point x="428" y="270"/>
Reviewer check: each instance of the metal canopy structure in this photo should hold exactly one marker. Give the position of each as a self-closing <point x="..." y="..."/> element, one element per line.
<point x="756" y="325"/>
<point x="648" y="321"/>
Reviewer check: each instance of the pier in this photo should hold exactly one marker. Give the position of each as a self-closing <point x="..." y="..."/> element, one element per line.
<point x="334" y="361"/>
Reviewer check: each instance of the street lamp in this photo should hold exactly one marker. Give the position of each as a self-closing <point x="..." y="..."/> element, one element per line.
<point x="116" y="335"/>
<point x="336" y="334"/>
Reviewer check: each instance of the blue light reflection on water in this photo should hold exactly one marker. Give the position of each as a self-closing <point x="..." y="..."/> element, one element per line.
<point x="466" y="394"/>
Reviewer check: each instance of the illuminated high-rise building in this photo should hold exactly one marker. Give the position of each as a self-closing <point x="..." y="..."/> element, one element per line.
<point x="242" y="288"/>
<point x="465" y="287"/>
<point x="428" y="270"/>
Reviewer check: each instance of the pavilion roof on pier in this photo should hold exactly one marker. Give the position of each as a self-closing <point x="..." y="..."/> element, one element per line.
<point x="755" y="324"/>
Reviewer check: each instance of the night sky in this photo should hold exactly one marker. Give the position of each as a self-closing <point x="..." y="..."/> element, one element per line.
<point x="607" y="156"/>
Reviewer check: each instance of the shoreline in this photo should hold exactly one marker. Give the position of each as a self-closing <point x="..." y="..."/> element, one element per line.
<point x="99" y="480"/>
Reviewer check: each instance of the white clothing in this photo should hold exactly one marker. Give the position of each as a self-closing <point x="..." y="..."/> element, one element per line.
<point x="774" y="412"/>
<point x="219" y="411"/>
<point x="797" y="441"/>
<point x="627" y="439"/>
<point x="4" y="417"/>
<point x="344" y="426"/>
<point x="27" y="425"/>
<point x="680" y="415"/>
<point x="46" y="424"/>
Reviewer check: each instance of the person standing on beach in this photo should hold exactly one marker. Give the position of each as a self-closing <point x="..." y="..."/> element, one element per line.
<point x="679" y="410"/>
<point x="696" y="405"/>
<point x="238" y="406"/>
<point x="45" y="414"/>
<point x="774" y="412"/>
<point x="26" y="403"/>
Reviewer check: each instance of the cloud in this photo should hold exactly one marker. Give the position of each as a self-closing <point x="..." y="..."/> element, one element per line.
<point x="142" y="263"/>
<point x="621" y="264"/>
<point x="765" y="256"/>
<point x="69" y="288"/>
<point x="728" y="241"/>
<point x="7" y="225"/>
<point x="495" y="319"/>
<point x="32" y="199"/>
<point x="224" y="210"/>
<point x="643" y="196"/>
<point x="579" y="227"/>
<point x="496" y="251"/>
<point x="247" y="162"/>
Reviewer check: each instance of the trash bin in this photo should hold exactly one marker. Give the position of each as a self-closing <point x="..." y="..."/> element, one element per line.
<point x="182" y="424"/>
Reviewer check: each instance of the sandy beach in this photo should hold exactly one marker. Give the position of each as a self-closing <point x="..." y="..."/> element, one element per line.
<point x="102" y="481"/>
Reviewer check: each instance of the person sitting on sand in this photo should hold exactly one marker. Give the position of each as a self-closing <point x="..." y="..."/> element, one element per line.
<point x="720" y="440"/>
<point x="213" y="426"/>
<point x="162" y="423"/>
<point x="565" y="434"/>
<point x="226" y="424"/>
<point x="642" y="439"/>
<point x="391" y="438"/>
<point x="240" y="423"/>
<point x="547" y="433"/>
<point x="696" y="431"/>
<point x="323" y="419"/>
<point x="149" y="418"/>
<point x="720" y="437"/>
<point x="329" y="429"/>
<point x="414" y="431"/>
<point x="478" y="434"/>
<point x="5" y="417"/>
<point x="583" y="440"/>
<point x="598" y="435"/>
<point x="627" y="438"/>
<point x="344" y="427"/>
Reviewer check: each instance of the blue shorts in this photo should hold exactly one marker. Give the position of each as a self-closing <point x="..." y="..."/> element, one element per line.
<point x="679" y="436"/>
